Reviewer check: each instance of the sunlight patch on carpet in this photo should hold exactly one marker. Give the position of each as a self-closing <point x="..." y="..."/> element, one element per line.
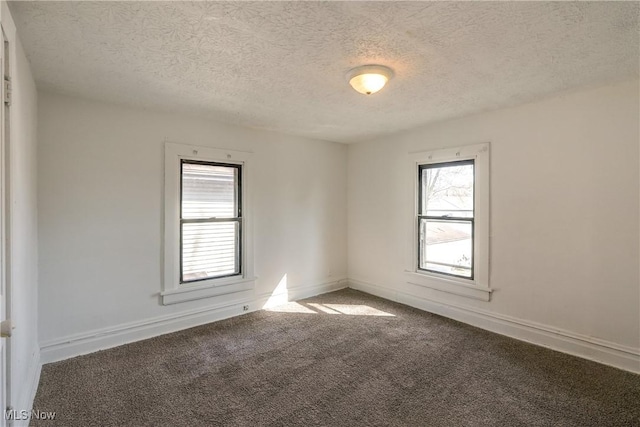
<point x="291" y="307"/>
<point x="316" y="308"/>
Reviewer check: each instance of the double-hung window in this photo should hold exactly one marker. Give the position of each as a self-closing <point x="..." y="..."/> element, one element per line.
<point x="450" y="219"/>
<point x="210" y="220"/>
<point x="208" y="249"/>
<point x="446" y="218"/>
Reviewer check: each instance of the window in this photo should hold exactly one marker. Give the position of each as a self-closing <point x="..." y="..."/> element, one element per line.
<point x="210" y="220"/>
<point x="450" y="221"/>
<point x="446" y="218"/>
<point x="208" y="249"/>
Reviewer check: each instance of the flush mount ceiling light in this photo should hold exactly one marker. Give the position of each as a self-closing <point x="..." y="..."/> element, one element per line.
<point x="369" y="79"/>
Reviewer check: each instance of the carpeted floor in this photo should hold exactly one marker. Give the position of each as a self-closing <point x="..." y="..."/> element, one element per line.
<point x="339" y="359"/>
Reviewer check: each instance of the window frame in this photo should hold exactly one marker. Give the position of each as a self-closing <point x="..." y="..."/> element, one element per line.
<point x="445" y="218"/>
<point x="476" y="287"/>
<point x="238" y="219"/>
<point x="174" y="290"/>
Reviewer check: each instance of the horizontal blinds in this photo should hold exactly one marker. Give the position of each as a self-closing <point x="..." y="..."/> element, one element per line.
<point x="209" y="250"/>
<point x="210" y="223"/>
<point x="208" y="191"/>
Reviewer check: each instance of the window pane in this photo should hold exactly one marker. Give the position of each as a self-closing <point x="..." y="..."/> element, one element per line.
<point x="446" y="246"/>
<point x="209" y="249"/>
<point x="208" y="191"/>
<point x="448" y="190"/>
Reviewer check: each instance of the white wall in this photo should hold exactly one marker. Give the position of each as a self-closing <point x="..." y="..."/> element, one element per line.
<point x="101" y="200"/>
<point x="23" y="236"/>
<point x="564" y="221"/>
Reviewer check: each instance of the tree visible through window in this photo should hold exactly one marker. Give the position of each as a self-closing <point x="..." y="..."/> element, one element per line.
<point x="446" y="218"/>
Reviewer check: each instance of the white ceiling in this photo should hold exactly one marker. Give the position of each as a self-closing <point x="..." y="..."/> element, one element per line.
<point x="282" y="65"/>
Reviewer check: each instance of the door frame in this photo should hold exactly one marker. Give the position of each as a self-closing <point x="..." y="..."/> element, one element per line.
<point x="5" y="262"/>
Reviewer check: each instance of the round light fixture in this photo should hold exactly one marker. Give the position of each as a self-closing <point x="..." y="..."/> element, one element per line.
<point x="369" y="79"/>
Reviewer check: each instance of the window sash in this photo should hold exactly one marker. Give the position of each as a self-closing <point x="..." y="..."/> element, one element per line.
<point x="421" y="241"/>
<point x="444" y="165"/>
<point x="237" y="218"/>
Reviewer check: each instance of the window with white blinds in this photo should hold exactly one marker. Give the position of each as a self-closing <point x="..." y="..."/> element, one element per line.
<point x="210" y="220"/>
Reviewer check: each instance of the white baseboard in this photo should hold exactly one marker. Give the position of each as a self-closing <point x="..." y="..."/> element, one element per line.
<point x="89" y="342"/>
<point x="25" y="398"/>
<point x="101" y="339"/>
<point x="608" y="353"/>
<point x="605" y="352"/>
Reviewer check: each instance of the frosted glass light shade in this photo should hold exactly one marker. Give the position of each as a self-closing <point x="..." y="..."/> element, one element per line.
<point x="369" y="79"/>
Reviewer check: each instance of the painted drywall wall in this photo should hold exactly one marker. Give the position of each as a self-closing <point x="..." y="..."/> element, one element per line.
<point x="22" y="224"/>
<point x="564" y="217"/>
<point x="101" y="203"/>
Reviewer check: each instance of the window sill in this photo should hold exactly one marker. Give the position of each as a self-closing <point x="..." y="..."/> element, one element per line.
<point x="449" y="285"/>
<point x="209" y="289"/>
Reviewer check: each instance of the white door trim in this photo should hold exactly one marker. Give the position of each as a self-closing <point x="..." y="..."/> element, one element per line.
<point x="5" y="291"/>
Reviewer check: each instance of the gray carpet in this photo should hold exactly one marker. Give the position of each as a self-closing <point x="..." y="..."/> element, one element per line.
<point x="350" y="359"/>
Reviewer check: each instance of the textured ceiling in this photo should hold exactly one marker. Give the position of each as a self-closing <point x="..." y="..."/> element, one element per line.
<point x="282" y="65"/>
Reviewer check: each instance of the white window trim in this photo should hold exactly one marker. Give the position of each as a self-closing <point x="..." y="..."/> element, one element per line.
<point x="478" y="288"/>
<point x="173" y="291"/>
